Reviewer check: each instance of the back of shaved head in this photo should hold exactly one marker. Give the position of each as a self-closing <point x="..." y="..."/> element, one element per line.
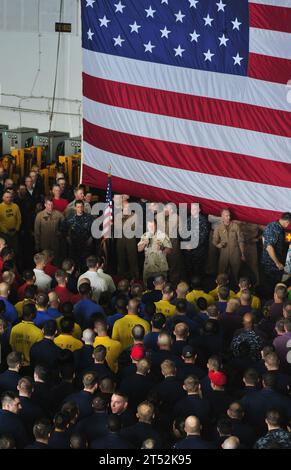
<point x="133" y="306"/>
<point x="164" y="340"/>
<point x="159" y="281"/>
<point x="231" y="443"/>
<point x="88" y="336"/>
<point x="4" y="288"/>
<point x="248" y="319"/>
<point x="192" y="425"/>
<point x="53" y="296"/>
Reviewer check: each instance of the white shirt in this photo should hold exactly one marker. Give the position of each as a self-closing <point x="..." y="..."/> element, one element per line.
<point x="43" y="281"/>
<point x="98" y="284"/>
<point x="110" y="286"/>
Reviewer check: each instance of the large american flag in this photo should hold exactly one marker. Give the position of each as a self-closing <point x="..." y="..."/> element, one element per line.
<point x="187" y="101"/>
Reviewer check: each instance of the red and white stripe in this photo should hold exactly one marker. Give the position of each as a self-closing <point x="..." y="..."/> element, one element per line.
<point x="107" y="223"/>
<point x="172" y="133"/>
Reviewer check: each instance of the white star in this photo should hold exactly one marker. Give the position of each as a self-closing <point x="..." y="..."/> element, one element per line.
<point x="165" y="32"/>
<point x="236" y="24"/>
<point x="221" y="6"/>
<point x="208" y="55"/>
<point x="118" y="41"/>
<point x="90" y="34"/>
<point x="223" y="40"/>
<point x="119" y="7"/>
<point x="193" y="3"/>
<point x="208" y="20"/>
<point x="179" y="51"/>
<point x="164" y="1"/>
<point x="194" y="36"/>
<point x="237" y="59"/>
<point x="104" y="22"/>
<point x="150" y="12"/>
<point x="149" y="47"/>
<point x="90" y="3"/>
<point x="134" y="27"/>
<point x="179" y="16"/>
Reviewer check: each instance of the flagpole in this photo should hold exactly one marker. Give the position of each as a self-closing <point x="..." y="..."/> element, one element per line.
<point x="105" y="242"/>
<point x="109" y="177"/>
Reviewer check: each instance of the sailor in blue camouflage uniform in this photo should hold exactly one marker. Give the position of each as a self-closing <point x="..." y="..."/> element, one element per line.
<point x="195" y="259"/>
<point x="276" y="436"/>
<point x="77" y="227"/>
<point x="273" y="251"/>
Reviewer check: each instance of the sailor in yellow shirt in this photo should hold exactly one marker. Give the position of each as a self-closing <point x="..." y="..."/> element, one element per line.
<point x="214" y="294"/>
<point x="24" y="335"/>
<point x="245" y="284"/>
<point x="222" y="280"/>
<point x="113" y="347"/>
<point x="10" y="219"/>
<point x="164" y="306"/>
<point x="255" y="301"/>
<point x="198" y="292"/>
<point x="123" y="327"/>
<point x="66" y="339"/>
<point x="77" y="332"/>
<point x="194" y="295"/>
<point x="19" y="306"/>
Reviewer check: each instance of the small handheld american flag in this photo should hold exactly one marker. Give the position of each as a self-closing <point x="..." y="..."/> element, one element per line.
<point x="107" y="224"/>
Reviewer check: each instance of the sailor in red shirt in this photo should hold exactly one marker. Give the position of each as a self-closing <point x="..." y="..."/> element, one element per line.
<point x="62" y="291"/>
<point x="59" y="203"/>
<point x="29" y="278"/>
<point x="50" y="269"/>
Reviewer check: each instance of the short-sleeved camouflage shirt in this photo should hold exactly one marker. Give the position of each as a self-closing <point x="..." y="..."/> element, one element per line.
<point x="273" y="235"/>
<point x="155" y="259"/>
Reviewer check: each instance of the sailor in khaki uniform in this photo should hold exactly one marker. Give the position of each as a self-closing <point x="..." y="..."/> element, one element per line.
<point x="228" y="238"/>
